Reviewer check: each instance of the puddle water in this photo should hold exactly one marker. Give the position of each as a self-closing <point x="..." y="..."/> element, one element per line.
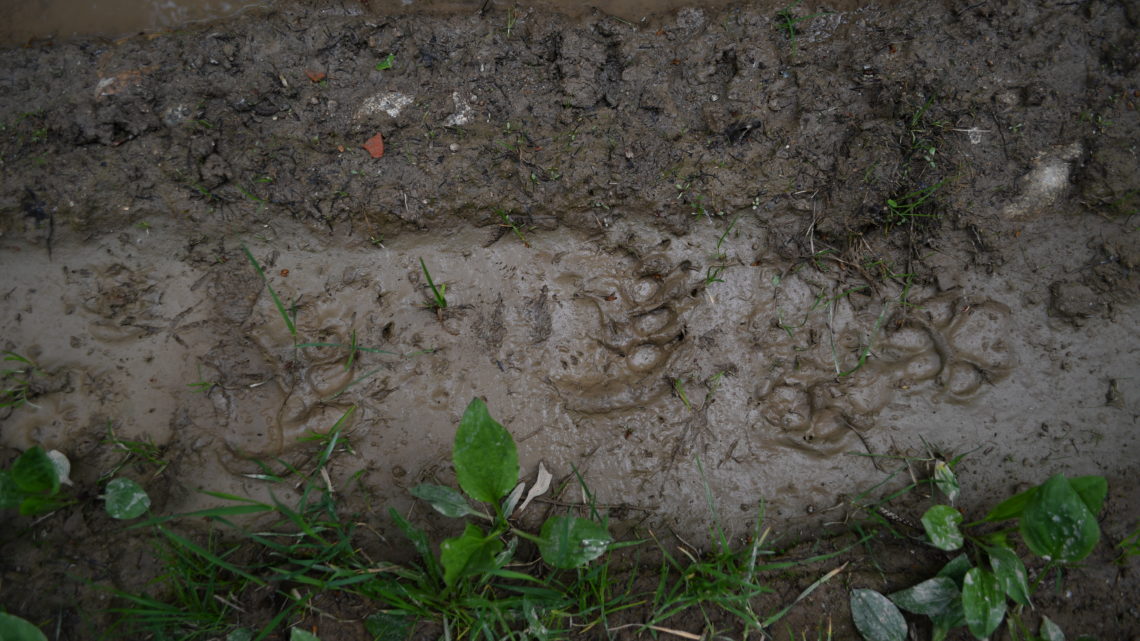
<point x="626" y="354"/>
<point x="113" y="18"/>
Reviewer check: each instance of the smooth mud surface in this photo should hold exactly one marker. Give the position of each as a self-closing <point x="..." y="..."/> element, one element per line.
<point x="910" y="230"/>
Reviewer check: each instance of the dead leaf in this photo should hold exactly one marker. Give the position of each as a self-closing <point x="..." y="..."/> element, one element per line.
<point x="375" y="146"/>
<point x="541" y="485"/>
<point x="315" y="76"/>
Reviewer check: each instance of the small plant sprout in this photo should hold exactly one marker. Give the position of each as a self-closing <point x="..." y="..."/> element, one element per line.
<point x="439" y="302"/>
<point x="507" y="222"/>
<point x="285" y="315"/>
<point x="908" y="207"/>
<point x="787" y="22"/>
<point x="386" y="63"/>
<point x="679" y="388"/>
<point x="487" y="469"/>
<point x="17" y="380"/>
<point x="32" y="484"/>
<point x="1057" y="521"/>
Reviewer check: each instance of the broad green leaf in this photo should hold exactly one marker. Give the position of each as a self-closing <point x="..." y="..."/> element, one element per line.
<point x="943" y="622"/>
<point x="1057" y="525"/>
<point x="34" y="472"/>
<point x="240" y="634"/>
<point x="946" y="481"/>
<point x="125" y="499"/>
<point x="471" y="553"/>
<point x="1051" y="631"/>
<point x="297" y="634"/>
<point x="388" y="627"/>
<point x="929" y="597"/>
<point x="10" y="493"/>
<point x="941" y="523"/>
<point x="419" y="542"/>
<point x="1092" y="490"/>
<point x="570" y="541"/>
<point x="1010" y="508"/>
<point x="445" y="500"/>
<point x="1010" y="572"/>
<point x="39" y="504"/>
<point x="956" y="569"/>
<point x="983" y="602"/>
<point x="486" y="461"/>
<point x="13" y="628"/>
<point x="876" y="618"/>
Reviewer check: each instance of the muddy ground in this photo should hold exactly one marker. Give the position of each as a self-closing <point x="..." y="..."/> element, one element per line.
<point x="705" y="265"/>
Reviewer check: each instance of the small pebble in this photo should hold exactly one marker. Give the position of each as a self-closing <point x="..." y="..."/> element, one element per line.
<point x="454" y="146"/>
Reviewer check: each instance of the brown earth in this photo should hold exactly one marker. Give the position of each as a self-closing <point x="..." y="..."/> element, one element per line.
<point x="708" y="266"/>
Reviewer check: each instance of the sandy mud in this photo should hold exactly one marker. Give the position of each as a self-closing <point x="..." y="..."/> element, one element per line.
<point x="678" y="238"/>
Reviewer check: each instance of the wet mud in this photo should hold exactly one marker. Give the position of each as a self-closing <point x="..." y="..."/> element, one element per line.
<point x="669" y="244"/>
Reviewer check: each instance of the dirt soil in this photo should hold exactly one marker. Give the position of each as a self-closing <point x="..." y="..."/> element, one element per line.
<point x="909" y="228"/>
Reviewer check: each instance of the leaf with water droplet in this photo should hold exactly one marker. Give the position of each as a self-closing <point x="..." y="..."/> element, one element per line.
<point x="1057" y="524"/>
<point x="125" y="499"/>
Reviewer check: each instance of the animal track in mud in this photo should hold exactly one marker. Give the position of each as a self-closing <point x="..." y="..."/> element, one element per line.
<point x="641" y="327"/>
<point x="955" y="345"/>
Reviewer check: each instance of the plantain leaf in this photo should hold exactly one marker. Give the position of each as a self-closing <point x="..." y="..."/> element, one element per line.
<point x="447" y="501"/>
<point x="946" y="481"/>
<point x="570" y="541"/>
<point x="930" y="597"/>
<point x="941" y="524"/>
<point x="125" y="499"/>
<point x="1057" y="525"/>
<point x="13" y="628"/>
<point x="486" y="461"/>
<point x="471" y="553"/>
<point x="1010" y="572"/>
<point x="1051" y="631"/>
<point x="876" y="618"/>
<point x="983" y="602"/>
<point x="33" y="471"/>
<point x="1092" y="490"/>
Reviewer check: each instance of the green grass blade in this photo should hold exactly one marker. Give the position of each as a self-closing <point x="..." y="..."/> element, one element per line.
<point x="209" y="556"/>
<point x="276" y="300"/>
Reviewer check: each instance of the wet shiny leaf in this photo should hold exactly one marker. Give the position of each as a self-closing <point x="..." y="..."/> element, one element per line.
<point x="1010" y="572"/>
<point x="33" y="471"/>
<point x="1012" y="507"/>
<point x="486" y="461"/>
<point x="983" y="602"/>
<point x="941" y="524"/>
<point x="1057" y="524"/>
<point x="956" y="569"/>
<point x="1051" y="631"/>
<point x="1092" y="490"/>
<point x="945" y="621"/>
<point x="930" y="597"/>
<point x="125" y="499"/>
<point x="13" y="628"/>
<point x="297" y="634"/>
<point x="471" y="553"/>
<point x="876" y="618"/>
<point x="447" y="501"/>
<point x="570" y="541"/>
<point x="946" y="481"/>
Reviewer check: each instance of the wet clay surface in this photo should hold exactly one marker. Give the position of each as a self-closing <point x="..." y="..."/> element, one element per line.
<point x="707" y="265"/>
